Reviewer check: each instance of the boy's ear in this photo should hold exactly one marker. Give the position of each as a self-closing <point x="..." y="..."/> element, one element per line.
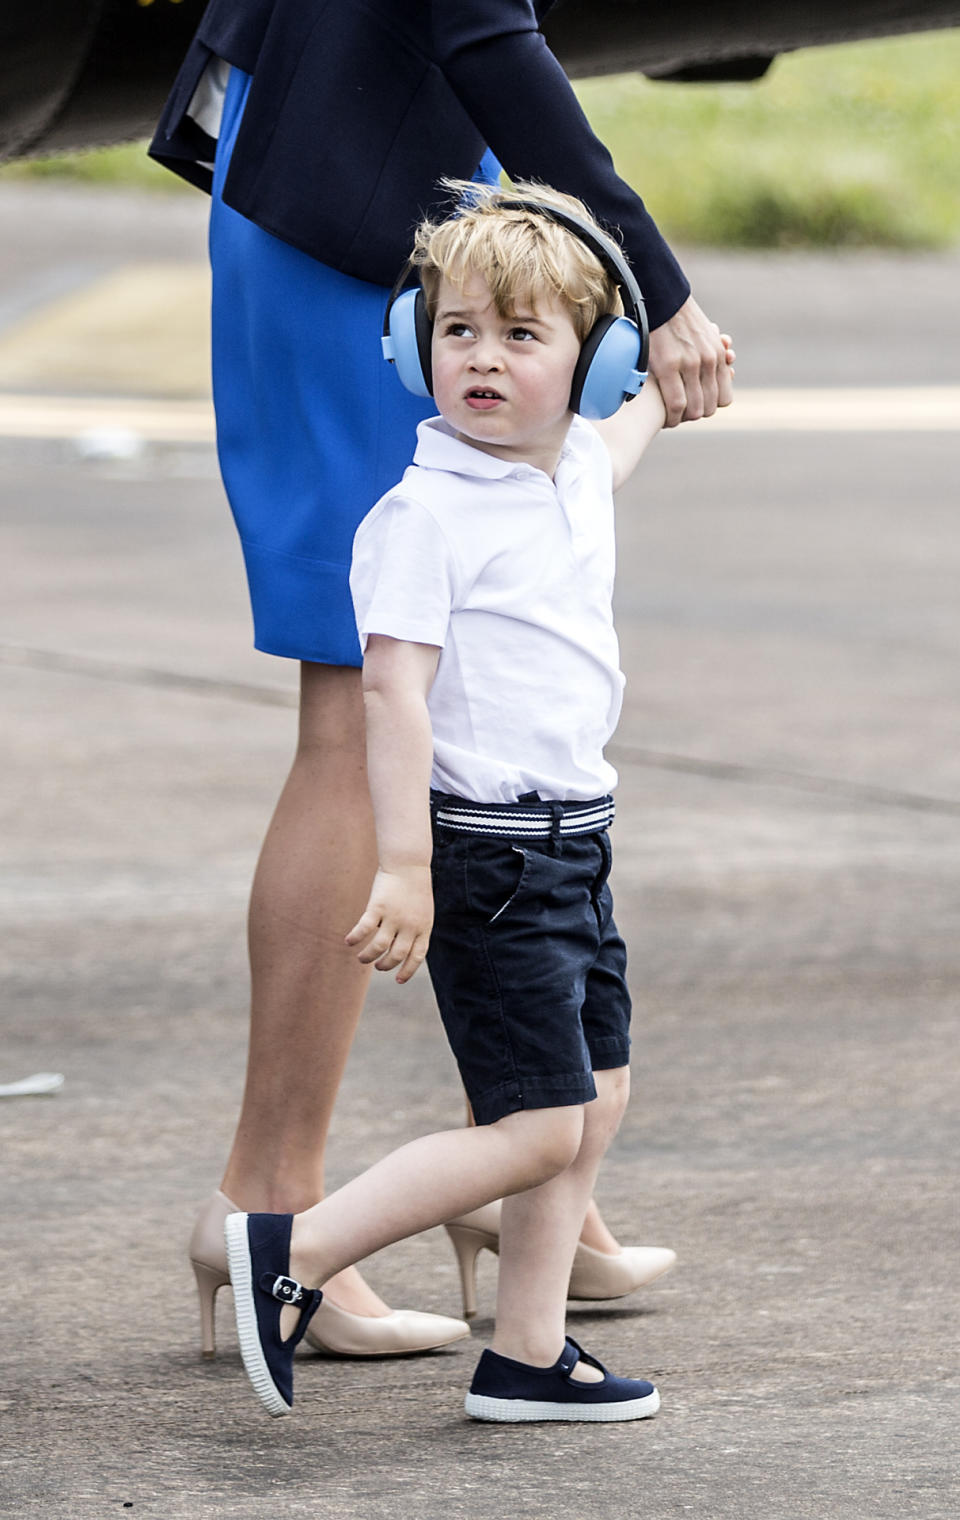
<point x="407" y="341"/>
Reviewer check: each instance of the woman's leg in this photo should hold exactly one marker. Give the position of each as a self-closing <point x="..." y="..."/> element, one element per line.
<point x="538" y="1238"/>
<point x="308" y="988"/>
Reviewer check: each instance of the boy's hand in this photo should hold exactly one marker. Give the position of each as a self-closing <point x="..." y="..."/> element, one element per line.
<point x="395" y="927"/>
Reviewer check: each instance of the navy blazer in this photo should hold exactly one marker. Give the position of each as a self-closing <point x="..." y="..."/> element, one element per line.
<point x="358" y="107"/>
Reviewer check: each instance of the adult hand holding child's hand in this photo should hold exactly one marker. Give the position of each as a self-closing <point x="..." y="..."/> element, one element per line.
<point x="395" y="927"/>
<point x="693" y="365"/>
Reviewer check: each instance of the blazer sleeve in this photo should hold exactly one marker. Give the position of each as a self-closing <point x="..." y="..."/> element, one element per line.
<point x="496" y="61"/>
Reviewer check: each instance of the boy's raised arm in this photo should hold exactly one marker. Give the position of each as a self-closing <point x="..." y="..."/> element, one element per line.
<point x="394" y="929"/>
<point x="628" y="432"/>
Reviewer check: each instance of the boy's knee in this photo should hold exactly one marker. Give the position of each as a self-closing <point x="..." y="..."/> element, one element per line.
<point x="559" y="1146"/>
<point x="549" y="1139"/>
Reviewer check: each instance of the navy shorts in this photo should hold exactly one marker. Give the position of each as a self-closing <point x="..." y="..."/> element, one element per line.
<point x="527" y="966"/>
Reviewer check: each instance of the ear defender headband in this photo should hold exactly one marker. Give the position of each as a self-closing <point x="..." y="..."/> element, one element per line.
<point x="613" y="357"/>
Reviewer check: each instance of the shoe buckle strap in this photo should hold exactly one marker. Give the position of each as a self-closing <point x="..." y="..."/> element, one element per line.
<point x="573" y="1353"/>
<point x="569" y="1357"/>
<point x="286" y="1289"/>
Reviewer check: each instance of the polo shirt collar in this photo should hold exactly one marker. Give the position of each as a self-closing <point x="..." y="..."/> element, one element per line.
<point x="439" y="448"/>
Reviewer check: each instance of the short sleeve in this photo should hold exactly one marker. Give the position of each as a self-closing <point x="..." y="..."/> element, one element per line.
<point x="402" y="578"/>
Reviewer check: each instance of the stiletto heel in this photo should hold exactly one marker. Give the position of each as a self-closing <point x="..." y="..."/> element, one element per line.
<point x="209" y="1279"/>
<point x="467" y="1244"/>
<point x="469" y="1235"/>
<point x="208" y="1258"/>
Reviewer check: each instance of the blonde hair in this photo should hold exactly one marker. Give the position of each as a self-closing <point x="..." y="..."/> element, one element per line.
<point x="519" y="253"/>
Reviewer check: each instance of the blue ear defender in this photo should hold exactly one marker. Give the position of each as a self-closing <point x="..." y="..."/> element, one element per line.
<point x="407" y="335"/>
<point x="608" y="371"/>
<point x="613" y="358"/>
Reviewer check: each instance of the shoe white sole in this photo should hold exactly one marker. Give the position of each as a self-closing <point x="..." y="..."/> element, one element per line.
<point x="255" y="1365"/>
<point x="511" y="1411"/>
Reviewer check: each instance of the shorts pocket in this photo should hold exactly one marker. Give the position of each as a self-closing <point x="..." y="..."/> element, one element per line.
<point x="496" y="870"/>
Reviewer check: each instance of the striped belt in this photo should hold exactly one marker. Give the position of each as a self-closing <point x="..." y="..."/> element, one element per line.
<point x="522" y="820"/>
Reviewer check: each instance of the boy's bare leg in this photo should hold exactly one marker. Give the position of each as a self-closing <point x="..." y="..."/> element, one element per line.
<point x="308" y="988"/>
<point x="427" y="1182"/>
<point x="538" y="1238"/>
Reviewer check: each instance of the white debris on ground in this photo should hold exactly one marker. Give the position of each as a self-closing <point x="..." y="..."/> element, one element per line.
<point x="30" y="1087"/>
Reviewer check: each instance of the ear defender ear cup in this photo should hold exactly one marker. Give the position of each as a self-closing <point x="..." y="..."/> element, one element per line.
<point x="607" y="369"/>
<point x="407" y="341"/>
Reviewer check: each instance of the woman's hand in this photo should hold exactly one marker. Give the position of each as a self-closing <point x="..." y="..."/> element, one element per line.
<point x="394" y="929"/>
<point x="692" y="365"/>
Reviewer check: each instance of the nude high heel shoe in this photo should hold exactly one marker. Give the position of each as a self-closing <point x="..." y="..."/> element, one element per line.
<point x="595" y="1274"/>
<point x="402" y="1332"/>
<point x="332" y="1330"/>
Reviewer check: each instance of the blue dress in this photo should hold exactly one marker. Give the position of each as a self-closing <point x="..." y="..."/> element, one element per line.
<point x="312" y="425"/>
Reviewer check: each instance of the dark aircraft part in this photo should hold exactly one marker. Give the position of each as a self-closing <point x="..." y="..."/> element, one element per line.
<point x="725" y="71"/>
<point x="721" y="39"/>
<point x="86" y="73"/>
<point x="83" y="73"/>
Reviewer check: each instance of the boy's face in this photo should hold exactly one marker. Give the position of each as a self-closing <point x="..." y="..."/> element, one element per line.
<point x="504" y="382"/>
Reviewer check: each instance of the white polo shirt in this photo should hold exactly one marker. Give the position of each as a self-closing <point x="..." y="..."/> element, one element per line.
<point x="511" y="574"/>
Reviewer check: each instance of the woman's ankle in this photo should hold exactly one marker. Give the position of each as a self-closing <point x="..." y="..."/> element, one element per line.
<point x="256" y="1194"/>
<point x="596" y="1234"/>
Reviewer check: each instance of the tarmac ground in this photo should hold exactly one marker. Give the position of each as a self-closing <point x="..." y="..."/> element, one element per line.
<point x="787" y="878"/>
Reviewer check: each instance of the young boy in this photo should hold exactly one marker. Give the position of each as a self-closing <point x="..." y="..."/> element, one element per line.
<point x="482" y="585"/>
